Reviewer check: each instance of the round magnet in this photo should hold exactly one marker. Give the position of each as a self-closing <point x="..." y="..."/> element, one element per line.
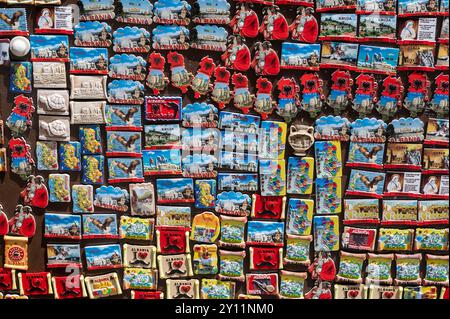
<point x="19" y="46"/>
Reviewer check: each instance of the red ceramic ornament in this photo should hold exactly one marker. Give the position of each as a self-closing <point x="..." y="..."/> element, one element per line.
<point x="268" y="207"/>
<point x="37" y="283"/>
<point x="138" y="294"/>
<point x="418" y="93"/>
<point x="365" y="94"/>
<point x="35" y="193"/>
<point x="305" y="27"/>
<point x="23" y="222"/>
<point x="201" y="83"/>
<point x="245" y="22"/>
<point x="69" y="287"/>
<point x="243" y="99"/>
<point x="313" y="96"/>
<point x="237" y="56"/>
<point x="274" y="25"/>
<point x="321" y="290"/>
<point x="265" y="258"/>
<point x="156" y="79"/>
<point x="221" y="93"/>
<point x="172" y="240"/>
<point x="180" y="77"/>
<point x="288" y="98"/>
<point x="265" y="60"/>
<point x="7" y="280"/>
<point x="341" y="91"/>
<point x="264" y="104"/>
<point x="439" y="102"/>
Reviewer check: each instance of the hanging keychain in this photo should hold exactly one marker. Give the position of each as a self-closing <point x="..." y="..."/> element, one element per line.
<point x="221" y="93"/>
<point x="341" y="91"/>
<point x="156" y="79"/>
<point x="365" y="95"/>
<point x="313" y="97"/>
<point x="391" y="97"/>
<point x="418" y="94"/>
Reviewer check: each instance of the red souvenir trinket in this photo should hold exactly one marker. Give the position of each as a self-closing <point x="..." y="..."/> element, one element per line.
<point x="265" y="60"/>
<point x="156" y="79"/>
<point x="201" y="83"/>
<point x="274" y="25"/>
<point x="237" y="56"/>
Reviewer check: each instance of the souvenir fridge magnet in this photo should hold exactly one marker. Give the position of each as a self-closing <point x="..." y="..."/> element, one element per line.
<point x="197" y="114"/>
<point x="175" y="266"/>
<point x="4" y="51"/>
<point x="136" y="228"/>
<point x="432" y="212"/>
<point x="103" y="256"/>
<point x="337" y="26"/>
<point x="127" y="67"/>
<point x="288" y="98"/>
<point x="3" y="163"/>
<point x="54" y="20"/>
<point x="272" y="140"/>
<point x="237" y="55"/>
<point x="341" y="91"/>
<point x="332" y="128"/>
<point x="16" y="252"/>
<point x="63" y="255"/>
<point x="245" y="21"/>
<point x="7" y="279"/>
<point x="231" y="266"/>
<point x="336" y="54"/>
<point x="264" y="104"/>
<point x="209" y="38"/>
<point x="203" y="140"/>
<point x="436" y="271"/>
<point x="417" y="31"/>
<point x="35" y="193"/>
<point x="300" y="56"/>
<point x="268" y="207"/>
<point x="156" y="79"/>
<point x="205" y="259"/>
<point x="88" y="61"/>
<point x="169" y="216"/>
<point x="376" y="59"/>
<point x="361" y="239"/>
<point x="417" y="57"/>
<point x="50" y="75"/>
<point x="125" y="170"/>
<point x="404" y="156"/>
<point x="182" y="289"/>
<point x="292" y="285"/>
<point x="23" y="222"/>
<point x="53" y="128"/>
<point x="47" y="48"/>
<point x="368" y="130"/>
<point x="368" y="155"/>
<point x="265" y="60"/>
<point x="20" y="77"/>
<point x="417" y="96"/>
<point x="242" y="98"/>
<point x="133" y="12"/>
<point x="405" y="130"/>
<point x="140" y="278"/>
<point x="92" y="34"/>
<point x="326" y="233"/>
<point x="22" y="162"/>
<point x="69" y="287"/>
<point x="391" y="97"/>
<point x="407" y="269"/>
<point x="328" y="158"/>
<point x="101" y="286"/>
<point x="20" y="119"/>
<point x="232" y="231"/>
<point x="161" y="162"/>
<point x="300" y="175"/>
<point x="142" y="199"/>
<point x="139" y="256"/>
<point x="272" y="177"/>
<point x="19" y="47"/>
<point x="131" y="39"/>
<point x="437" y="132"/>
<point x="299" y="216"/>
<point x="394" y="239"/>
<point x="177" y="190"/>
<point x="386" y="31"/>
<point x="100" y="226"/>
<point x="62" y="226"/>
<point x="402" y="184"/>
<point x="82" y="196"/>
<point x="431" y="239"/>
<point x="233" y="203"/>
<point x="329" y="195"/>
<point x="171" y="12"/>
<point x="350" y="267"/>
<point x="439" y="102"/>
<point x="217" y="289"/>
<point x="92" y="112"/>
<point x="365" y="94"/>
<point x="172" y="240"/>
<point x="163" y="108"/>
<point x="304" y="28"/>
<point x="180" y="77"/>
<point x="35" y="283"/>
<point x="170" y="37"/>
<point x="70" y="156"/>
<point x="435" y="186"/>
<point x="237" y="181"/>
<point x="96" y="10"/>
<point x="421" y="292"/>
<point x="273" y="231"/>
<point x="125" y="92"/>
<point x="297" y="250"/>
<point x="245" y="123"/>
<point x="124" y="143"/>
<point x="301" y="138"/>
<point x="88" y="87"/>
<point x="399" y="212"/>
<point x="204" y="12"/>
<point x="205" y="227"/>
<point x="4" y="226"/>
<point x="349" y="291"/>
<point x="53" y="102"/>
<point x="200" y="84"/>
<point x="384" y="292"/>
<point x="312" y="98"/>
<point x="274" y="25"/>
<point x="262" y="284"/>
<point x="123" y="117"/>
<point x="366" y="183"/>
<point x="407" y="8"/>
<point x="13" y="21"/>
<point x="205" y="193"/>
<point x="221" y="92"/>
<point x="92" y="169"/>
<point x="266" y="258"/>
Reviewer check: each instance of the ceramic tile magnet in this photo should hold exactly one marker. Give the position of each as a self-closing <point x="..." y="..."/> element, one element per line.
<point x="35" y="284"/>
<point x="53" y="102"/>
<point x="19" y="121"/>
<point x="140" y="278"/>
<point x="139" y="256"/>
<point x="13" y="21"/>
<point x="245" y="21"/>
<point x="88" y="87"/>
<point x="350" y="267"/>
<point x="135" y="12"/>
<point x="365" y="94"/>
<point x="70" y="156"/>
<point x="142" y="199"/>
<point x="232" y="231"/>
<point x="205" y="259"/>
<point x="182" y="289"/>
<point x="16" y="252"/>
<point x="237" y="56"/>
<point x="242" y="98"/>
<point x="100" y="226"/>
<point x="69" y="287"/>
<point x="266" y="258"/>
<point x="101" y="286"/>
<point x="175" y="266"/>
<point x="156" y="79"/>
<point x="82" y="196"/>
<point x="54" y="20"/>
<point x="7" y="279"/>
<point x="172" y="240"/>
<point x="20" y="77"/>
<point x="297" y="250"/>
<point x="137" y="228"/>
<point x="201" y="83"/>
<point x="59" y="188"/>
<point x="92" y="112"/>
<point x="221" y="92"/>
<point x="49" y="75"/>
<point x="268" y="207"/>
<point x="53" y="128"/>
<point x="231" y="265"/>
<point x="262" y="284"/>
<point x="180" y="77"/>
<point x="90" y="139"/>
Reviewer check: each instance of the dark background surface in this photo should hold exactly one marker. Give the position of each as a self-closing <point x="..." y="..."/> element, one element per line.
<point x="11" y="184"/>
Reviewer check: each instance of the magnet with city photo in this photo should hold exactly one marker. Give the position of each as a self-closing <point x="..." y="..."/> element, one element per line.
<point x="125" y="92"/>
<point x="88" y="60"/>
<point x="312" y="97"/>
<point x="233" y="203"/>
<point x="92" y="34"/>
<point x="175" y="190"/>
<point x="170" y="37"/>
<point x="96" y="10"/>
<point x="131" y="39"/>
<point x="209" y="38"/>
<point x="98" y="257"/>
<point x="113" y="198"/>
<point x="48" y="48"/>
<point x="342" y="55"/>
<point x="179" y="76"/>
<point x="202" y="115"/>
<point x="62" y="226"/>
<point x="63" y="255"/>
<point x="161" y="162"/>
<point x="134" y="12"/>
<point x="368" y="130"/>
<point x="140" y="278"/>
<point x="365" y="94"/>
<point x="205" y="12"/>
<point x="168" y="216"/>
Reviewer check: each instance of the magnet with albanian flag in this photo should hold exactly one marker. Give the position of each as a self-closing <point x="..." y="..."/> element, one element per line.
<point x="341" y="91"/>
<point x="35" y="193"/>
<point x="245" y="21"/>
<point x="365" y="94"/>
<point x="156" y="79"/>
<point x="264" y="103"/>
<point x="201" y="83"/>
<point x="274" y="25"/>
<point x="20" y="118"/>
<point x="288" y="98"/>
<point x="180" y="77"/>
<point x="417" y="96"/>
<point x="305" y="27"/>
<point x="268" y="207"/>
<point x="265" y="59"/>
<point x="242" y="99"/>
<point x="237" y="56"/>
<point x="22" y="162"/>
<point x="439" y="102"/>
<point x="313" y="96"/>
<point x="221" y="92"/>
<point x="391" y="97"/>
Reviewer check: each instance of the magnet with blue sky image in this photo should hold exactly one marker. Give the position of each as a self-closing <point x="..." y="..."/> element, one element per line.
<point x="200" y="139"/>
<point x="172" y="12"/>
<point x="214" y="12"/>
<point x="47" y="48"/>
<point x="135" y="12"/>
<point x="125" y="92"/>
<point x="381" y="60"/>
<point x="13" y="21"/>
<point x="162" y="162"/>
<point x="113" y="198"/>
<point x="123" y="143"/>
<point x="92" y="34"/>
<point x="199" y="115"/>
<point x="170" y="37"/>
<point x="88" y="61"/>
<point x="265" y="233"/>
<point x="162" y="136"/>
<point x="103" y="256"/>
<point x="100" y="226"/>
<point x="62" y="226"/>
<point x="127" y="67"/>
<point x="96" y="10"/>
<point x="123" y="117"/>
<point x="175" y="190"/>
<point x="131" y="39"/>
<point x="199" y="165"/>
<point x="121" y="169"/>
<point x="300" y="56"/>
<point x="233" y="203"/>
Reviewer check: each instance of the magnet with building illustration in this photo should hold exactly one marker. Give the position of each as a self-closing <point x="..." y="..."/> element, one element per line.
<point x="202" y="115"/>
<point x="340" y="91"/>
<point x="368" y="130"/>
<point x="100" y="226"/>
<point x="417" y="96"/>
<point x="232" y="231"/>
<point x="162" y="136"/>
<point x="156" y="79"/>
<point x="170" y="37"/>
<point x="142" y="199"/>
<point x="161" y="162"/>
<point x="53" y="75"/>
<point x="180" y="77"/>
<point x="288" y="98"/>
<point x="96" y="10"/>
<point x="377" y="59"/>
<point x="436" y="270"/>
<point x="169" y="216"/>
<point x="22" y="163"/>
<point x="82" y="198"/>
<point x="20" y="77"/>
<point x="21" y="115"/>
<point x="98" y="257"/>
<point x="332" y="128"/>
<point x="365" y="94"/>
<point x="48" y="48"/>
<point x="205" y="227"/>
<point x="439" y="102"/>
<point x="175" y="12"/>
<point x="360" y="239"/>
<point x="88" y="87"/>
<point x="233" y="203"/>
<point x="312" y="98"/>
<point x="131" y="39"/>
<point x="361" y="211"/>
<point x="201" y="83"/>
<point x="242" y="98"/>
<point x="54" y="20"/>
<point x="92" y="34"/>
<point x="125" y="92"/>
<point x="231" y="265"/>
<point x="221" y="92"/>
<point x="237" y="55"/>
<point x="435" y="161"/>
<point x="391" y="97"/>
<point x="114" y="198"/>
<point x="127" y="67"/>
<point x="209" y="38"/>
<point x="62" y="226"/>
<point x="175" y="190"/>
<point x="265" y="233"/>
<point x="129" y="11"/>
